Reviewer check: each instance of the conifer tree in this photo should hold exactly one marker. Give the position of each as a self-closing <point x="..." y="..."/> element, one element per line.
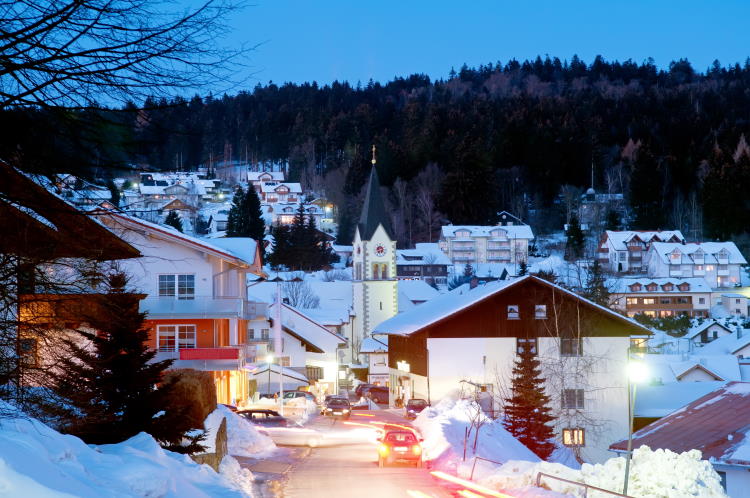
<point x="596" y="289"/>
<point x="106" y="387"/>
<point x="523" y="269"/>
<point x="527" y="411"/>
<point x="173" y="220"/>
<point x="300" y="245"/>
<point x="575" y="240"/>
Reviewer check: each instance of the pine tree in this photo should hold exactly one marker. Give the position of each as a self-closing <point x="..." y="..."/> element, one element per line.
<point x="300" y="245"/>
<point x="527" y="411"/>
<point x="173" y="220"/>
<point x="575" y="240"/>
<point x="107" y="386"/>
<point x="114" y="193"/>
<point x="468" y="271"/>
<point x="523" y="269"/>
<point x="596" y="289"/>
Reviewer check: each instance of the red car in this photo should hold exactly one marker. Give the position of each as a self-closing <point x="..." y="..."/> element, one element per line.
<point x="399" y="445"/>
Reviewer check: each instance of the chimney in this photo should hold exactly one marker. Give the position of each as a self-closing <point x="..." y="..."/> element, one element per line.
<point x="473" y="282"/>
<point x="739" y="331"/>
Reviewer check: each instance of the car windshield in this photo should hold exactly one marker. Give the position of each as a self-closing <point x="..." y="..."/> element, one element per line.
<point x="338" y="402"/>
<point x="416" y="402"/>
<point x="400" y="437"/>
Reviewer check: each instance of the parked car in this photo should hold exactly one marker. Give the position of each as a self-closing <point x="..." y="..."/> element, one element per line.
<point x="337" y="407"/>
<point x="399" y="445"/>
<point x="298" y="394"/>
<point x="266" y="418"/>
<point x="379" y="394"/>
<point x="414" y="406"/>
<point x="361" y="388"/>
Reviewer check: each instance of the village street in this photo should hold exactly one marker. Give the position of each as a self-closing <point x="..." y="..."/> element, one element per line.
<point x="345" y="464"/>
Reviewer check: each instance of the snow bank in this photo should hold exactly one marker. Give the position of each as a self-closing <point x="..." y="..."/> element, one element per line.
<point x="304" y="408"/>
<point x="443" y="427"/>
<point x="37" y="461"/>
<point x="369" y="403"/>
<point x="652" y="473"/>
<point x="243" y="439"/>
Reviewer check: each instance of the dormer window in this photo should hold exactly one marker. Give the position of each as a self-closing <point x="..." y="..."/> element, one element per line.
<point x="676" y="256"/>
<point x="667" y="287"/>
<point x="684" y="287"/>
<point x="462" y="233"/>
<point x="636" y="287"/>
<point x="651" y="287"/>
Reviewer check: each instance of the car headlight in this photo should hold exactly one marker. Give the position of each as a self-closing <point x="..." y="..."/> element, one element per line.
<point x="410" y="411"/>
<point x="329" y="409"/>
<point x="346" y="411"/>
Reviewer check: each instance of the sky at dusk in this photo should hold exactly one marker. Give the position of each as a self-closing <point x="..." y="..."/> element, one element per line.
<point x="357" y="40"/>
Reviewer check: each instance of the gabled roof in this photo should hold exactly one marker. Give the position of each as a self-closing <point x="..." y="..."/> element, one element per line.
<point x="422" y="254"/>
<point x="373" y="210"/>
<point x="623" y="285"/>
<point x="710" y="249"/>
<point x="446" y="305"/>
<point x="372" y="345"/>
<point x="511" y="231"/>
<point x="716" y="424"/>
<point x="694" y="331"/>
<point x="728" y="344"/>
<point x="620" y="239"/>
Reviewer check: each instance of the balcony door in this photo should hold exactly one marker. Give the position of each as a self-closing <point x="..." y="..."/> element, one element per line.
<point x="175" y="337"/>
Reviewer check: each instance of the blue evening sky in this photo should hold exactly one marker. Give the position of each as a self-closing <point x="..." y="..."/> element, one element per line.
<point x="326" y="40"/>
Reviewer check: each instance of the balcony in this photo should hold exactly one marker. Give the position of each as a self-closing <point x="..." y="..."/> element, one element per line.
<point x="463" y="257"/>
<point x="463" y="248"/>
<point x="722" y="273"/>
<point x="202" y="307"/>
<point x="498" y="257"/>
<point x="675" y="273"/>
<point x="498" y="246"/>
<point x="208" y="359"/>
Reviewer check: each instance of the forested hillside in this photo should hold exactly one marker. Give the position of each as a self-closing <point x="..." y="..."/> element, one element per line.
<point x="501" y="136"/>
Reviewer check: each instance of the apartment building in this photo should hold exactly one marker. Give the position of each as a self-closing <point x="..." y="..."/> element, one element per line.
<point x="425" y="262"/>
<point x="718" y="263"/>
<point x="628" y="251"/>
<point x="661" y="297"/>
<point x="486" y="244"/>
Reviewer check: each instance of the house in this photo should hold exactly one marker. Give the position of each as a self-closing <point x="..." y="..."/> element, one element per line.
<point x="654" y="400"/>
<point x="716" y="425"/>
<point x="196" y="298"/>
<point x="425" y="262"/>
<point x="376" y="351"/>
<point x="273" y="192"/>
<point x="486" y="244"/>
<point x="258" y="178"/>
<point x="344" y="253"/>
<point x="593" y="209"/>
<point x="718" y="263"/>
<point x="284" y="213"/>
<point x="483" y="272"/>
<point x="707" y="331"/>
<point x="412" y="293"/>
<point x="471" y="336"/>
<point x="628" y="251"/>
<point x="661" y="297"/>
<point x="306" y="346"/>
<point x="736" y="343"/>
<point x="731" y="304"/>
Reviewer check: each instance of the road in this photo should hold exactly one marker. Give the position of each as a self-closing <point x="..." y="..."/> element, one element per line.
<point x="342" y="468"/>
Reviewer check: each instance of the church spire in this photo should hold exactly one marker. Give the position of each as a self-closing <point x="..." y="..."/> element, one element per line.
<point x="373" y="209"/>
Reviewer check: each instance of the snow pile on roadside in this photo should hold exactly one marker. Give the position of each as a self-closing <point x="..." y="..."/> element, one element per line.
<point x="243" y="439"/>
<point x="37" y="461"/>
<point x="369" y="403"/>
<point x="652" y="473"/>
<point x="443" y="427"/>
<point x="304" y="408"/>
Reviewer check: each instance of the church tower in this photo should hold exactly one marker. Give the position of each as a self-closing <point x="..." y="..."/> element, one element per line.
<point x="374" y="282"/>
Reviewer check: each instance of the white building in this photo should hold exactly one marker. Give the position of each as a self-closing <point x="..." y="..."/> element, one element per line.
<point x="273" y="192"/>
<point x="486" y="244"/>
<point x="472" y="336"/>
<point x="628" y="251"/>
<point x="661" y="297"/>
<point x="258" y="178"/>
<point x="718" y="263"/>
<point x="376" y="351"/>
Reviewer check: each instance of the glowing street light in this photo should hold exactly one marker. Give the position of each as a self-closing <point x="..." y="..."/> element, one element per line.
<point x="637" y="371"/>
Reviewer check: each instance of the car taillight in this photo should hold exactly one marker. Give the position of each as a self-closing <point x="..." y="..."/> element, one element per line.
<point x="417" y="449"/>
<point x="383" y="449"/>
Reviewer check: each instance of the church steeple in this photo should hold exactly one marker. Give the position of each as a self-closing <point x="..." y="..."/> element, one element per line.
<point x="373" y="209"/>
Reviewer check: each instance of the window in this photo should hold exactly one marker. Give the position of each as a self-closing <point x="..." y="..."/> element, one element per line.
<point x="27" y="352"/>
<point x="523" y="344"/>
<point x="574" y="437"/>
<point x="513" y="312"/>
<point x="665" y="300"/>
<point x="285" y="361"/>
<point x="250" y="334"/>
<point x="572" y="398"/>
<point x="571" y="346"/>
<point x="175" y="337"/>
<point x="631" y="301"/>
<point x="623" y="256"/>
<point x="180" y="286"/>
<point x="264" y="334"/>
<point x="314" y="373"/>
<point x="683" y="300"/>
<point x="722" y="479"/>
<point x="736" y="301"/>
<point x="649" y="300"/>
<point x="701" y="300"/>
<point x="540" y="311"/>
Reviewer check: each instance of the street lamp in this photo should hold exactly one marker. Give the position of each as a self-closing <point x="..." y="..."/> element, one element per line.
<point x="269" y="360"/>
<point x="637" y="372"/>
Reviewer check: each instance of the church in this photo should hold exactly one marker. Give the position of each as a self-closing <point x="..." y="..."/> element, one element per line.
<point x="374" y="283"/>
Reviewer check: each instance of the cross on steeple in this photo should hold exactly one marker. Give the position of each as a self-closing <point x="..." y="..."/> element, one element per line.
<point x="373" y="154"/>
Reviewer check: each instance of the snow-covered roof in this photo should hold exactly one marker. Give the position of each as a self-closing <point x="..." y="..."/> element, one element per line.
<point x="372" y="345"/>
<point x="335" y="297"/>
<point x="667" y="368"/>
<point x="625" y="285"/>
<point x="257" y="176"/>
<point x="688" y="252"/>
<point x="269" y="187"/>
<point x="499" y="231"/>
<point x="715" y="424"/>
<point x="728" y="344"/>
<point x="422" y="254"/>
<point x="258" y="369"/>
<point x="700" y="327"/>
<point x="151" y="189"/>
<point x="242" y="247"/>
<point x="417" y="290"/>
<point x="620" y="239"/>
<point x="483" y="270"/>
<point x="342" y="248"/>
<point x="446" y="305"/>
<point x="659" y="400"/>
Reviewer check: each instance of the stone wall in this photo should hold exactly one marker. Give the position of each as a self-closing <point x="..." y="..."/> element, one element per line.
<point x="214" y="459"/>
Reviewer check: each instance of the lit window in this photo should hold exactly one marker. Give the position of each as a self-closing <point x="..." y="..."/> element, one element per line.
<point x="523" y="344"/>
<point x="175" y="337"/>
<point x="540" y="311"/>
<point x="572" y="398"/>
<point x="631" y="301"/>
<point x="571" y="346"/>
<point x="574" y="437"/>
<point x="649" y="300"/>
<point x="513" y="312"/>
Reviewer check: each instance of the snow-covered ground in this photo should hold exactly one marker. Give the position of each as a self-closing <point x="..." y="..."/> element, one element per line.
<point x="36" y="461"/>
<point x="243" y="439"/>
<point x="653" y="473"/>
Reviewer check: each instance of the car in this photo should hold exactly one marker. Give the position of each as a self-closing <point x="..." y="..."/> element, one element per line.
<point x="266" y="418"/>
<point x="399" y="445"/>
<point x="414" y="406"/>
<point x="337" y="407"/>
<point x="299" y="394"/>
<point x="360" y="390"/>
<point x="379" y="394"/>
<point x="328" y="398"/>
